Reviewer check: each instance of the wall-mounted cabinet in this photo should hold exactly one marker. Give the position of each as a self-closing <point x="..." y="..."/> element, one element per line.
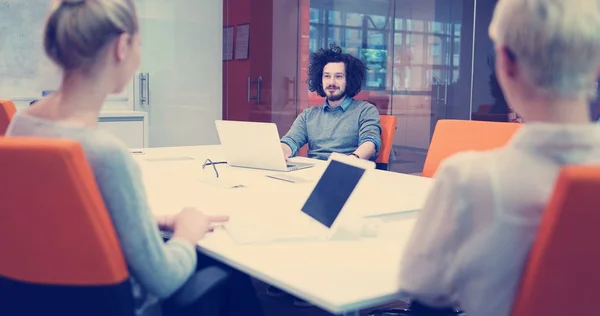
<point x="129" y="126"/>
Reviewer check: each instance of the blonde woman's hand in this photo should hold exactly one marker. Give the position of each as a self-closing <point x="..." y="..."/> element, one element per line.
<point x="192" y="225"/>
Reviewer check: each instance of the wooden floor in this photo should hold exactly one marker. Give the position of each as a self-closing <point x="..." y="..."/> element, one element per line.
<point x="284" y="306"/>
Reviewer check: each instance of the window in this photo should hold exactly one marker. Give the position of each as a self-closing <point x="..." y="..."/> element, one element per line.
<point x="314" y="15"/>
<point x="346" y="30"/>
<point x="424" y="52"/>
<point x="421" y="49"/>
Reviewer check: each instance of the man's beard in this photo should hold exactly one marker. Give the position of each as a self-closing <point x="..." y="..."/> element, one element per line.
<point x="336" y="97"/>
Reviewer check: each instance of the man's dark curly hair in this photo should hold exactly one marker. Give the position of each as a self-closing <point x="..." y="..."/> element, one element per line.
<point x="356" y="71"/>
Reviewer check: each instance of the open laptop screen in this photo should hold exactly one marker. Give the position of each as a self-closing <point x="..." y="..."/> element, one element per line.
<point x="332" y="191"/>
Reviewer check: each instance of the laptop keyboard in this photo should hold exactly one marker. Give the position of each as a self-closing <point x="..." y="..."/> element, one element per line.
<point x="294" y="166"/>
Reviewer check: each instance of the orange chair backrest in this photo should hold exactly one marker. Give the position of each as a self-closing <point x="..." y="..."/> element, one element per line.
<point x="7" y="110"/>
<point x="54" y="227"/>
<point x="388" y="129"/>
<point x="303" y="151"/>
<point x="561" y="276"/>
<point x="453" y="136"/>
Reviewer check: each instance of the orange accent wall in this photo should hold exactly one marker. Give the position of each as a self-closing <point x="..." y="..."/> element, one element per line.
<point x="235" y="72"/>
<point x="303" y="94"/>
<point x="259" y="14"/>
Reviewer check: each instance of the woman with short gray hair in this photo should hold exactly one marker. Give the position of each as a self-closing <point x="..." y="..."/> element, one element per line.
<point x="474" y="233"/>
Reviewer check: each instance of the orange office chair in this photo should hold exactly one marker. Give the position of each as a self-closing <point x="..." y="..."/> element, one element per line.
<point x="59" y="251"/>
<point x="7" y="110"/>
<point x="388" y="130"/>
<point x="561" y="276"/>
<point x="453" y="136"/>
<point x="303" y="151"/>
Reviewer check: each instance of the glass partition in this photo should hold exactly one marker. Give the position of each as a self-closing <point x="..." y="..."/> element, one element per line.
<point x="427" y="61"/>
<point x="419" y="57"/>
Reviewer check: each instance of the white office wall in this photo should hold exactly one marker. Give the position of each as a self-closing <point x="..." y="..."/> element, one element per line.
<point x="182" y="53"/>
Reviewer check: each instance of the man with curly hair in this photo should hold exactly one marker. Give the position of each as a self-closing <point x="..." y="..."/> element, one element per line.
<point x="342" y="124"/>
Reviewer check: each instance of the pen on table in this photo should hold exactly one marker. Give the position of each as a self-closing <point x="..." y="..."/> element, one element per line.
<point x="139" y="152"/>
<point x="282" y="179"/>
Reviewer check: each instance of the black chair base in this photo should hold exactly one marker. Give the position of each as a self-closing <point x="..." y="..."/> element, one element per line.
<point x="418" y="309"/>
<point x="381" y="166"/>
<point x="22" y="298"/>
<point x="391" y="312"/>
<point x="409" y="312"/>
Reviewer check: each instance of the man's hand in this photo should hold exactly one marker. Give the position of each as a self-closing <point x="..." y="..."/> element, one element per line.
<point x="366" y="150"/>
<point x="287" y="151"/>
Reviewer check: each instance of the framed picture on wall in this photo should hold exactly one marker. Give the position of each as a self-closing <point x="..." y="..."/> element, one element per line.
<point x="242" y="41"/>
<point x="228" y="42"/>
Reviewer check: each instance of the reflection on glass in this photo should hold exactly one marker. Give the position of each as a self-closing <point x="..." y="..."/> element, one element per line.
<point x="438" y="27"/>
<point x="457" y="29"/>
<point x="378" y="21"/>
<point x="456" y="53"/>
<point x="314" y="36"/>
<point x="335" y="35"/>
<point x="415" y="25"/>
<point x="413" y="53"/>
<point x="420" y="43"/>
<point x="314" y="15"/>
<point x="399" y="24"/>
<point x="354" y="19"/>
<point x="363" y="35"/>
<point x="334" y="18"/>
<point x="353" y="38"/>
<point x="376" y="39"/>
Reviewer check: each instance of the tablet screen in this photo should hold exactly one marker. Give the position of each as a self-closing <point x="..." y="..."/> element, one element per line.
<point x="332" y="191"/>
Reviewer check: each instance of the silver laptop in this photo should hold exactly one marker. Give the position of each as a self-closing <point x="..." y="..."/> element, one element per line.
<point x="254" y="145"/>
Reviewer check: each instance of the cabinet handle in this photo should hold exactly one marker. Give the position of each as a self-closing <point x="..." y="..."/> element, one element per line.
<point x="148" y="88"/>
<point x="144" y="88"/>
<point x="445" y="93"/>
<point x="249" y="87"/>
<point x="292" y="85"/>
<point x="258" y="82"/>
<point x="258" y="89"/>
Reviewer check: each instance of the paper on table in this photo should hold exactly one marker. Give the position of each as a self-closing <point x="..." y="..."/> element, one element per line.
<point x="287" y="178"/>
<point x="219" y="177"/>
<point x="409" y="195"/>
<point x="220" y="183"/>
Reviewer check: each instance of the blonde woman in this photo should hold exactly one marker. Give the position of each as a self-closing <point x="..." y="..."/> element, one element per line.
<point x="97" y="45"/>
